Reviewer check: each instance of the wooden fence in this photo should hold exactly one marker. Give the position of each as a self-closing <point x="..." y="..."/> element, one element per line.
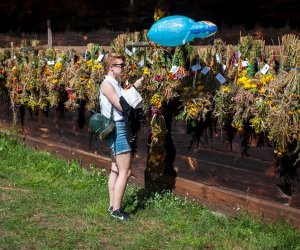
<point x="212" y="173"/>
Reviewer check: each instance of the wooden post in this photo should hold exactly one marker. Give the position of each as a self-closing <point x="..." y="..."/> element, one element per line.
<point x="49" y="33"/>
<point x="11" y="50"/>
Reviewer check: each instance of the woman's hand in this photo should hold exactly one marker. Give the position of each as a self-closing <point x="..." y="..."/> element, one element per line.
<point x="139" y="83"/>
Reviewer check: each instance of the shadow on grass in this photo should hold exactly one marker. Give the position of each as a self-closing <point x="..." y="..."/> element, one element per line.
<point x="157" y="181"/>
<point x="139" y="198"/>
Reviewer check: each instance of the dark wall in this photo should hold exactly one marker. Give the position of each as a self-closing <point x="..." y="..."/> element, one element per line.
<point x="88" y="15"/>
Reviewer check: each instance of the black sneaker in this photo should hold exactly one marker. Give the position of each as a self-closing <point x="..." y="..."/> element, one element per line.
<point x="110" y="209"/>
<point x="119" y="214"/>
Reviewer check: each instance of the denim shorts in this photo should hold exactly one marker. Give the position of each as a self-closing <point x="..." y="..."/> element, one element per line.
<point x="117" y="140"/>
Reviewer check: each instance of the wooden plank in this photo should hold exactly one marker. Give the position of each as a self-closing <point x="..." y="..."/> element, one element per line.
<point x="210" y="173"/>
<point x="49" y="33"/>
<point x="295" y="198"/>
<point x="233" y="202"/>
<point x="69" y="153"/>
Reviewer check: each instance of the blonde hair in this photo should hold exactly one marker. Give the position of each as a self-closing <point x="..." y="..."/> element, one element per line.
<point x="110" y="58"/>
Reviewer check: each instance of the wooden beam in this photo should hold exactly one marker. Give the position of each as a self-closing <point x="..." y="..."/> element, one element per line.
<point x="49" y="33"/>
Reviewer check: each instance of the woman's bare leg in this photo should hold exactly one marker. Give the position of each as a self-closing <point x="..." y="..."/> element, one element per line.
<point x="123" y="165"/>
<point x="111" y="182"/>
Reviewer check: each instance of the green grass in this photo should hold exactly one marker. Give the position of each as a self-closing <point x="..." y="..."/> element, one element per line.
<point x="48" y="203"/>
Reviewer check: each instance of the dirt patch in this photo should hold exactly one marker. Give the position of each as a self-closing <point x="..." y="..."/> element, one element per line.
<point x="14" y="189"/>
<point x="59" y="221"/>
<point x="150" y="224"/>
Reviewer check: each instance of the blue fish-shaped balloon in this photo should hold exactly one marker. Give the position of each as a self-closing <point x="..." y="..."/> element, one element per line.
<point x="178" y="30"/>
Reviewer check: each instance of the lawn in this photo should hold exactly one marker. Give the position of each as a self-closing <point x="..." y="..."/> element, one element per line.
<point x="48" y="203"/>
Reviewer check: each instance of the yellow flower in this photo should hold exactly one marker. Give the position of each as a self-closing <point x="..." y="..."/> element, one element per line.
<point x="192" y="109"/>
<point x="156" y="100"/>
<point x="47" y="71"/>
<point x="14" y="69"/>
<point x="262" y="91"/>
<point x="256" y="124"/>
<point x="225" y="89"/>
<point x="265" y="79"/>
<point x="146" y="71"/>
<point x="246" y="82"/>
<point x="55" y="81"/>
<point x="89" y="63"/>
<point x="89" y="84"/>
<point x="247" y="86"/>
<point x="238" y="125"/>
<point x="97" y="66"/>
<point x="242" y="80"/>
<point x="269" y="103"/>
<point x="58" y="66"/>
<point x="200" y="87"/>
<point x="243" y="72"/>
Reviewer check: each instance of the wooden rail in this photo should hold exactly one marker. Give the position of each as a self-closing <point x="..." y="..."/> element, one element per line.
<point x="82" y="49"/>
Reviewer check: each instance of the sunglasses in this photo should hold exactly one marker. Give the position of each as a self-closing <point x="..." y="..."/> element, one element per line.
<point x="119" y="65"/>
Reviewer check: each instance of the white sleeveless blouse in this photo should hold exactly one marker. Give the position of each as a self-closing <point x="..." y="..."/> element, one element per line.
<point x="105" y="105"/>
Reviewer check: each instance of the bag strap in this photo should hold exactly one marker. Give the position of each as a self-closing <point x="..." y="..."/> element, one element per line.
<point x="112" y="107"/>
<point x="112" y="112"/>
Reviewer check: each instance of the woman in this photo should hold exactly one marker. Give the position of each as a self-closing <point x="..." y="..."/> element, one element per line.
<point x="110" y="93"/>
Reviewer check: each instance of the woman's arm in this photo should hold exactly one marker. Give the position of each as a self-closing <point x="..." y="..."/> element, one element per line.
<point x="110" y="93"/>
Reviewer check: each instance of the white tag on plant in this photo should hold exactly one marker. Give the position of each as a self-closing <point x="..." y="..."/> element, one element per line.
<point x="134" y="49"/>
<point x="218" y="58"/>
<point x="265" y="69"/>
<point x="245" y="63"/>
<point x="128" y="52"/>
<point x="239" y="54"/>
<point x="51" y="62"/>
<point x="224" y="67"/>
<point x="174" y="69"/>
<point x="196" y="67"/>
<point x="100" y="57"/>
<point x="205" y="70"/>
<point x="85" y="55"/>
<point x="142" y="63"/>
<point x="220" y="78"/>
